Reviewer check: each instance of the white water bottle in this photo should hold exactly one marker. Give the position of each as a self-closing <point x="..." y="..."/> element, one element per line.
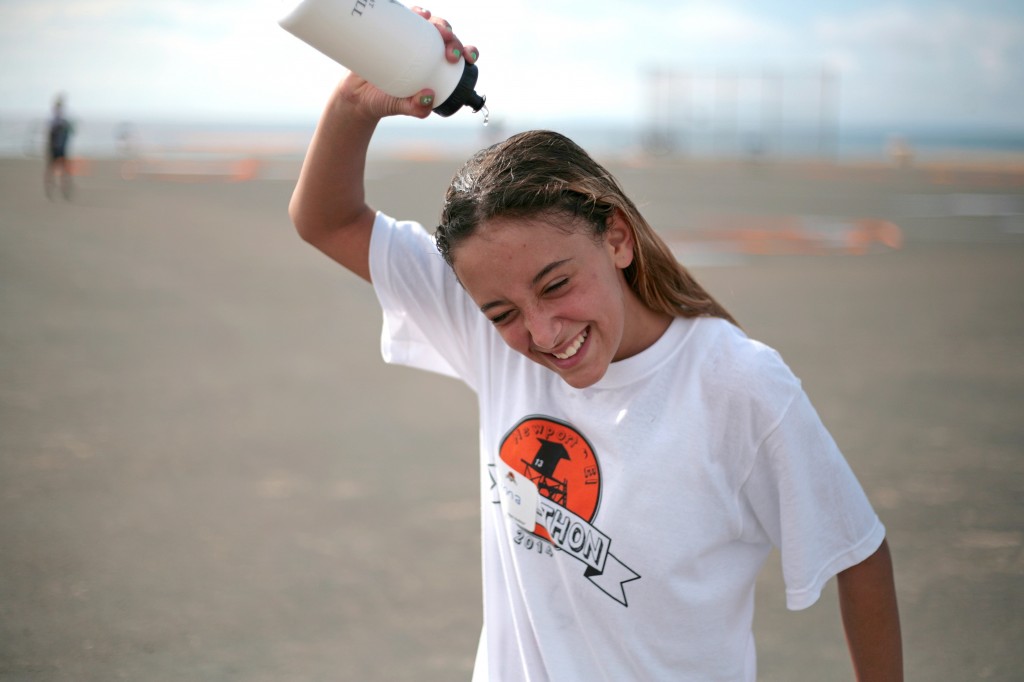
<point x="389" y="45"/>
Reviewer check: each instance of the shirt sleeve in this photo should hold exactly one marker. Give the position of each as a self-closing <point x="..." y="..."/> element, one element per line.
<point x="428" y="318"/>
<point x="810" y="504"/>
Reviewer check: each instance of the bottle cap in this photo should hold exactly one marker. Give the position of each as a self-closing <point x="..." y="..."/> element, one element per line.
<point x="464" y="94"/>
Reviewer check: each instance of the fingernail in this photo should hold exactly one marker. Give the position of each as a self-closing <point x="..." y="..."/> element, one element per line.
<point x="457" y="52"/>
<point x="474" y="55"/>
<point x="427" y="100"/>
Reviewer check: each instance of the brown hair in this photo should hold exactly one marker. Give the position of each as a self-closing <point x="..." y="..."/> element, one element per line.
<point x="541" y="172"/>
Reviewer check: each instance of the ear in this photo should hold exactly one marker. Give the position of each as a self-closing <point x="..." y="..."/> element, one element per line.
<point x="618" y="239"/>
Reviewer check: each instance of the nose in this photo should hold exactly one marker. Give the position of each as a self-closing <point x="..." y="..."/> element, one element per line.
<point x="543" y="327"/>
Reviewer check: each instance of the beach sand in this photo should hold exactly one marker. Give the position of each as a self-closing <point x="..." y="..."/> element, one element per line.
<point x="207" y="472"/>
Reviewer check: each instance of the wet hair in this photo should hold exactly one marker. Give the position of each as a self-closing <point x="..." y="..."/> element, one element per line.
<point x="545" y="174"/>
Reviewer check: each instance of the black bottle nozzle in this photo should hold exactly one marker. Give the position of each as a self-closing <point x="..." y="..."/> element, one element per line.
<point x="464" y="94"/>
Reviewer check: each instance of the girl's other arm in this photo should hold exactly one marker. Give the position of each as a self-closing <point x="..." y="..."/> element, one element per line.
<point x="871" y="619"/>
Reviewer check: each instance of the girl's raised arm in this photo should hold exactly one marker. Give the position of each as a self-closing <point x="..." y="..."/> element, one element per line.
<point x="328" y="206"/>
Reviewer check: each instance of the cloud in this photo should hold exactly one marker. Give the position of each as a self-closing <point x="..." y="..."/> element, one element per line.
<point x="121" y="58"/>
<point x="947" y="65"/>
<point x="720" y="27"/>
<point x="540" y="61"/>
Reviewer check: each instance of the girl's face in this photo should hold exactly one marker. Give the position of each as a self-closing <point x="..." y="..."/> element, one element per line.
<point x="558" y="297"/>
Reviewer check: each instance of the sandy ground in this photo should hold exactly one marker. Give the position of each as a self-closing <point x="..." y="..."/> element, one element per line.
<point x="207" y="473"/>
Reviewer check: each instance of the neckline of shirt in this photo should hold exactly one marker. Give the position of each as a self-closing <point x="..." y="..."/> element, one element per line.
<point x="635" y="368"/>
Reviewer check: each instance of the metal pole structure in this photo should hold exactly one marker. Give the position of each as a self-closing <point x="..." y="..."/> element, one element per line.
<point x="725" y="119"/>
<point x="772" y="111"/>
<point x="828" y="115"/>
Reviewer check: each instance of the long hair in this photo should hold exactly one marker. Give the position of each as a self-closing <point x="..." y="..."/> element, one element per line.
<point x="545" y="173"/>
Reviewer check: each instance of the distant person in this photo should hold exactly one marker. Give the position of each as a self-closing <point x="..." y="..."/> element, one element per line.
<point x="126" y="139"/>
<point x="900" y="151"/>
<point x="57" y="140"/>
<point x="640" y="455"/>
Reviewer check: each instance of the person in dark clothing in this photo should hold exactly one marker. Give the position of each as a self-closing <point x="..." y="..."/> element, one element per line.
<point x="57" y="139"/>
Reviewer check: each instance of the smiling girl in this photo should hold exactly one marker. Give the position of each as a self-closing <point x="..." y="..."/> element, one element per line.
<point x="640" y="455"/>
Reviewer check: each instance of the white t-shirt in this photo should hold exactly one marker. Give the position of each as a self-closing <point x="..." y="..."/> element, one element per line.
<point x="624" y="524"/>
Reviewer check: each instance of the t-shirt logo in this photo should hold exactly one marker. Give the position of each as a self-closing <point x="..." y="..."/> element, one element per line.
<point x="560" y="462"/>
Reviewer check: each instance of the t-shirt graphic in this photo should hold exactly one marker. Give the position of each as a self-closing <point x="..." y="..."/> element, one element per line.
<point x="556" y="460"/>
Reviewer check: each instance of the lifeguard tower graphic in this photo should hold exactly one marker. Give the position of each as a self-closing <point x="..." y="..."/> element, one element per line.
<point x="559" y="461"/>
<point x="541" y="471"/>
<point x="556" y="458"/>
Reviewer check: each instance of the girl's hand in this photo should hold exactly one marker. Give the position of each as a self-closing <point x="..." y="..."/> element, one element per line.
<point x="375" y="104"/>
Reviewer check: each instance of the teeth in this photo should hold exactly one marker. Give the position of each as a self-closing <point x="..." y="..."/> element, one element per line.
<point x="571" y="350"/>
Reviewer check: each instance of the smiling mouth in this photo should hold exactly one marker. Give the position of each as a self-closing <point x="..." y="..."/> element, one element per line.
<point x="573" y="347"/>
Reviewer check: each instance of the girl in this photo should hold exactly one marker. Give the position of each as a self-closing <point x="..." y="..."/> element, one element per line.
<point x="640" y="456"/>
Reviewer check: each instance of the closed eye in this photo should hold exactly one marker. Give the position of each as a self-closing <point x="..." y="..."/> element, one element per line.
<point x="557" y="285"/>
<point x="502" y="317"/>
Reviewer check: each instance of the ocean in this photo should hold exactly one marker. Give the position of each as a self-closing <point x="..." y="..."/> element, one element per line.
<point x="24" y="137"/>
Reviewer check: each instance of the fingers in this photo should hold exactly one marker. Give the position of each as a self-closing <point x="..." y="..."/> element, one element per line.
<point x="372" y="103"/>
<point x="420" y="105"/>
<point x="453" y="47"/>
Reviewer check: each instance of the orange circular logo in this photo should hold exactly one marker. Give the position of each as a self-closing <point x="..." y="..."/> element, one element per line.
<point x="559" y="461"/>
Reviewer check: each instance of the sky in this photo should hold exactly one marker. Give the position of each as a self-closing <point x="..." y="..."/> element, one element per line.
<point x="919" y="62"/>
